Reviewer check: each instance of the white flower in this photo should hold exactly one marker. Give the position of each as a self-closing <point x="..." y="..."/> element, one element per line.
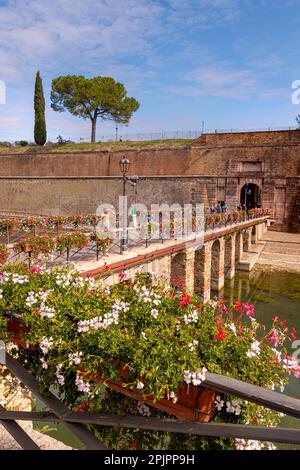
<point x="46" y="344"/>
<point x="143" y="336"/>
<point x="193" y="345"/>
<point x="196" y="378"/>
<point x="46" y="312"/>
<point x="191" y="317"/>
<point x="173" y="397"/>
<point x="97" y="323"/>
<point x="234" y="407"/>
<point x="242" y="444"/>
<point x="219" y="403"/>
<point x="4" y="277"/>
<point x="143" y="409"/>
<point x="254" y="349"/>
<point x="140" y="385"/>
<point x="59" y="377"/>
<point x="44" y="363"/>
<point x="75" y="358"/>
<point x="154" y="313"/>
<point x="16" y="279"/>
<point x="81" y="385"/>
<point x="232" y="327"/>
<point x="1" y="293"/>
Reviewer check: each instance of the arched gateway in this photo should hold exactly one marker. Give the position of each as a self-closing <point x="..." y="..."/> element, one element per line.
<point x="250" y="196"/>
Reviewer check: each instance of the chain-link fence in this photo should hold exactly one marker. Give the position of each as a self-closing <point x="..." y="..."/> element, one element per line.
<point x="121" y="136"/>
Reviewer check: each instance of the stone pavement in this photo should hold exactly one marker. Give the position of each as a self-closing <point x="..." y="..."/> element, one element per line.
<point x="282" y="251"/>
<point x="45" y="442"/>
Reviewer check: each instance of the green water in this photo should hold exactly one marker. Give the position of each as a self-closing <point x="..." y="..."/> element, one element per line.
<point x="272" y="293"/>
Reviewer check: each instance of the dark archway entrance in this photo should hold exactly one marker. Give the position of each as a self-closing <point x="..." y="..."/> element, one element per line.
<point x="250" y="196"/>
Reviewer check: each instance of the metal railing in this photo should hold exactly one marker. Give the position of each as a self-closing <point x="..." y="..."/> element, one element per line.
<point x="58" y="412"/>
<point x="143" y="236"/>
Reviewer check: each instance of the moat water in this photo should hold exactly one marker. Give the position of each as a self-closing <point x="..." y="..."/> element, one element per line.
<point x="272" y="293"/>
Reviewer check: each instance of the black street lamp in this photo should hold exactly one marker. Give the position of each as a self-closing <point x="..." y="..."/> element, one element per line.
<point x="124" y="164"/>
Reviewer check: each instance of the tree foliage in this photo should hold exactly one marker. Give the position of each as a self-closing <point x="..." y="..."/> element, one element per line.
<point x="93" y="98"/>
<point x="40" y="133"/>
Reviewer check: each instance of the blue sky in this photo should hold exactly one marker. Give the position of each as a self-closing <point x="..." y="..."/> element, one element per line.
<point x="229" y="63"/>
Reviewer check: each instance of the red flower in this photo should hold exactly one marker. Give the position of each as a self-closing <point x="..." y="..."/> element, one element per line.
<point x="239" y="307"/>
<point x="134" y="445"/>
<point x="294" y="334"/>
<point x="184" y="300"/>
<point x="276" y="319"/>
<point x="221" y="334"/>
<point x="122" y="275"/>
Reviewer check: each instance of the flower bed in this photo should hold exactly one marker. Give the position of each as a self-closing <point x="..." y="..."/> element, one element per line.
<point x="142" y="339"/>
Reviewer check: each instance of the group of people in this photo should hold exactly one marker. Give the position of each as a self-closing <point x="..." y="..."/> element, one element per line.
<point x="220" y="208"/>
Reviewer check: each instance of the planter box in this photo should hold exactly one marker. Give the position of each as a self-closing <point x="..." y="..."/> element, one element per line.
<point x="17" y="328"/>
<point x="194" y="403"/>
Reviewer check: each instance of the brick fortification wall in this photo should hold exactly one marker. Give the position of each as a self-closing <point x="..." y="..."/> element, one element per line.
<point x="271" y="160"/>
<point x="271" y="154"/>
<point x="144" y="162"/>
<point x="215" y="167"/>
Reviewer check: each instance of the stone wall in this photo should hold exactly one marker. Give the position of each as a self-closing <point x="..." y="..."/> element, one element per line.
<point x="83" y="195"/>
<point x="69" y="195"/>
<point x="144" y="162"/>
<point x="253" y="154"/>
<point x="215" y="167"/>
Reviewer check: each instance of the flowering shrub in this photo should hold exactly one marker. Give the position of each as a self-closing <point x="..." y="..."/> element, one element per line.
<point x="31" y="223"/>
<point x="163" y="338"/>
<point x="75" y="220"/>
<point x="4" y="254"/>
<point x="35" y="244"/>
<point x="7" y="224"/>
<point x="92" y="219"/>
<point x="69" y="240"/>
<point x="53" y="222"/>
<point x="103" y="240"/>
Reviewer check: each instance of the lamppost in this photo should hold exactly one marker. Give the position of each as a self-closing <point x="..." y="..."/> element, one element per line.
<point x="124" y="164"/>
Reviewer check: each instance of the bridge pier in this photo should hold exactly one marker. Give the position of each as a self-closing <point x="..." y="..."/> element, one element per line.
<point x="247" y="240"/>
<point x="230" y="245"/>
<point x="217" y="264"/>
<point x="239" y="245"/>
<point x="202" y="284"/>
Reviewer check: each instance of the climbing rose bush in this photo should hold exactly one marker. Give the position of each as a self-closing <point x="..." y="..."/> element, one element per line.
<point x="84" y="329"/>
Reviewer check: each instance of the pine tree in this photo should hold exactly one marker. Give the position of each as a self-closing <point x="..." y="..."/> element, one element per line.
<point x="40" y="133"/>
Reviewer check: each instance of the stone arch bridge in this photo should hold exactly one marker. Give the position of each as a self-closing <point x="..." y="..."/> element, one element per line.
<point x="200" y="268"/>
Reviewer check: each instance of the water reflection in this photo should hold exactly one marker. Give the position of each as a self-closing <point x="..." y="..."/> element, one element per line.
<point x="272" y="293"/>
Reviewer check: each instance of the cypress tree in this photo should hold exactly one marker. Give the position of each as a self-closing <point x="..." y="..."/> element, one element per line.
<point x="40" y="133"/>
